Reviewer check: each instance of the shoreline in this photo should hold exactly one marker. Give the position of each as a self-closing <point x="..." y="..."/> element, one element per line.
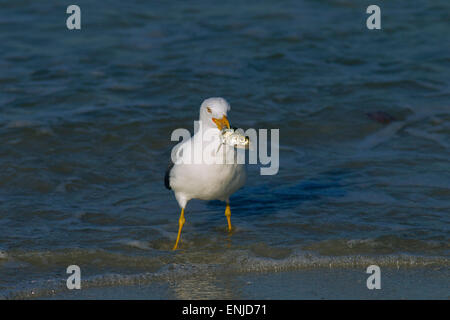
<point x="315" y="284"/>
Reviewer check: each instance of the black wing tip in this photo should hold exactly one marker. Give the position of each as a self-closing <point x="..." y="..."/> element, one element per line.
<point x="167" y="176"/>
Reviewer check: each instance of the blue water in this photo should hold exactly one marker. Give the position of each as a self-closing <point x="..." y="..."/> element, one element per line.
<point x="86" y="118"/>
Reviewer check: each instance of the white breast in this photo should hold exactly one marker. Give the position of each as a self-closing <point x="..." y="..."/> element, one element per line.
<point x="213" y="179"/>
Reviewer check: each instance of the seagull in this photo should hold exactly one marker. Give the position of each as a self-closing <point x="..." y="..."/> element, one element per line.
<point x="217" y="176"/>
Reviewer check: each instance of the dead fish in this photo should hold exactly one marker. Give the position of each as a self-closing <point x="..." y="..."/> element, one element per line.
<point x="235" y="139"/>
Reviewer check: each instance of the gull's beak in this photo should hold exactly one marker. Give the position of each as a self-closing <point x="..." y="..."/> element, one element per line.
<point x="221" y="123"/>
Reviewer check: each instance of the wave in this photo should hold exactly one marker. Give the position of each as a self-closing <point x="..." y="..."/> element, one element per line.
<point x="239" y="262"/>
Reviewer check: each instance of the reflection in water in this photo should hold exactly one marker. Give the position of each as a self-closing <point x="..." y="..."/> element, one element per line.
<point x="206" y="286"/>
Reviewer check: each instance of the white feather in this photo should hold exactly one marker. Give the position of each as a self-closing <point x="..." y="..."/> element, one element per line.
<point x="218" y="176"/>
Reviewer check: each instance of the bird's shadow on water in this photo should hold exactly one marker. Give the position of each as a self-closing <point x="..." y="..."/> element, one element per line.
<point x="266" y="199"/>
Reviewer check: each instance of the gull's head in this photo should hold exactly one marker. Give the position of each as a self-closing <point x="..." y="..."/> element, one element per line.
<point x="213" y="113"/>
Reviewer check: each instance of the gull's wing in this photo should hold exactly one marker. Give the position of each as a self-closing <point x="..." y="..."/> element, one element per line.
<point x="167" y="176"/>
<point x="176" y="156"/>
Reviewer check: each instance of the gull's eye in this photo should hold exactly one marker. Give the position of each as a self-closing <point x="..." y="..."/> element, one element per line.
<point x="208" y="109"/>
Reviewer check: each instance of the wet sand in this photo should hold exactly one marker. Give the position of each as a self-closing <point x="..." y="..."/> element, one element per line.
<point x="406" y="283"/>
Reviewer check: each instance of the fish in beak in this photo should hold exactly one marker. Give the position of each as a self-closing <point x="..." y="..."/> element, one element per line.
<point x="221" y="123"/>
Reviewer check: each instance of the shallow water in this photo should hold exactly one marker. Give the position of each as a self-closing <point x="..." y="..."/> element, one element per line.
<point x="86" y="118"/>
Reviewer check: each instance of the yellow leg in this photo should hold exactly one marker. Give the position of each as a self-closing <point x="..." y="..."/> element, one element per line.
<point x="180" y="226"/>
<point x="228" y="215"/>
